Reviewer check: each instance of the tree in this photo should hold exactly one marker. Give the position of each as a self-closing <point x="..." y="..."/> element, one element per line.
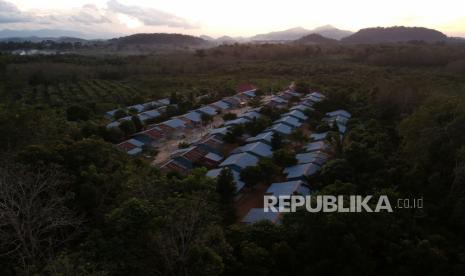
<point x="206" y="119"/>
<point x="229" y="116"/>
<point x="119" y="114"/>
<point x="298" y="136"/>
<point x="284" y="158"/>
<point x="251" y="176"/>
<point x="78" y="113"/>
<point x="276" y="141"/>
<point x="127" y="127"/>
<point x="34" y="215"/>
<point x="225" y="186"/>
<point x="138" y="125"/>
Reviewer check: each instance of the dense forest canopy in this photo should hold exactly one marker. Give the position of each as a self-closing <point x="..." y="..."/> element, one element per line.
<point x="118" y="215"/>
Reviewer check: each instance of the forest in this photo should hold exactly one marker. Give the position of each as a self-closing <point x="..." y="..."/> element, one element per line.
<point x="72" y="204"/>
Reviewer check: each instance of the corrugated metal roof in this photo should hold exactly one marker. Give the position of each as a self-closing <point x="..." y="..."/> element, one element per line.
<point x="316" y="146"/>
<point x="258" y="148"/>
<point x="241" y="160"/>
<point x="250" y="115"/>
<point x="340" y="112"/>
<point x="208" y="110"/>
<point x="265" y="136"/>
<point x="281" y="128"/>
<point x="289" y="120"/>
<point x="237" y="121"/>
<point x="288" y="188"/>
<point x="301" y="107"/>
<point x="221" y="131"/>
<point x="193" y="116"/>
<point x="175" y="123"/>
<point x="297" y="114"/>
<point x="137" y="107"/>
<point x="316" y="157"/>
<point x="164" y="101"/>
<point x="301" y="170"/>
<point x="134" y="151"/>
<point x="258" y="214"/>
<point x="319" y="136"/>
<point x="221" y="105"/>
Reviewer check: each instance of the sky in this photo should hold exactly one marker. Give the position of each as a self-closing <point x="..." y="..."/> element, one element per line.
<point x="110" y="18"/>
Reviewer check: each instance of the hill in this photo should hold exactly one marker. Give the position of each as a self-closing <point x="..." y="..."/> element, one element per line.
<point x="315" y="39"/>
<point x="394" y="35"/>
<point x="298" y="32"/>
<point x="155" y="39"/>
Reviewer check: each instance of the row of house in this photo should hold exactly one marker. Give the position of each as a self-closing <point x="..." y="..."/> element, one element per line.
<point x="259" y="146"/>
<point x="309" y="161"/>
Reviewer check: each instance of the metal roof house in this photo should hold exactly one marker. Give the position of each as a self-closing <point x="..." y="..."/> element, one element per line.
<point x="288" y="188"/>
<point x="316" y="157"/>
<point x="297" y="114"/>
<point x="137" y="107"/>
<point x="131" y="146"/>
<point x="207" y="110"/>
<point x="147" y="115"/>
<point x="301" y="171"/>
<point x="301" y="107"/>
<point x="250" y="115"/>
<point x="236" y="176"/>
<point x="233" y="101"/>
<point x="164" y="101"/>
<point x="319" y="136"/>
<point x="221" y="105"/>
<point x="281" y="128"/>
<point x="222" y="131"/>
<point x="239" y="161"/>
<point x="316" y="146"/>
<point x="259" y="149"/>
<point x="258" y="214"/>
<point x="237" y="121"/>
<point x="262" y="137"/>
<point x="174" y="123"/>
<point x="193" y="117"/>
<point x="340" y="112"/>
<point x="290" y="121"/>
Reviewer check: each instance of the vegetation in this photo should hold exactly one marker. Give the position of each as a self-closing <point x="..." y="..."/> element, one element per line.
<point x="92" y="210"/>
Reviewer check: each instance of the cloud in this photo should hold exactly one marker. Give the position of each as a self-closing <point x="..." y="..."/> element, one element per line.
<point x="88" y="15"/>
<point x="9" y="13"/>
<point x="149" y="16"/>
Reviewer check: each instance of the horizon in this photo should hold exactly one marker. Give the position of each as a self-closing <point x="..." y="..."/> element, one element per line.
<point x="114" y="18"/>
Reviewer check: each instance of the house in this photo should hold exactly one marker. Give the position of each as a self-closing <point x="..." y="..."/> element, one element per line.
<point x="143" y="138"/>
<point x="290" y="121"/>
<point x="137" y="107"/>
<point x="117" y="123"/>
<point x="207" y="110"/>
<point x="307" y="102"/>
<point x="154" y="133"/>
<point x="134" y="151"/>
<point x="250" y="115"/>
<point x="297" y="114"/>
<point x="201" y="154"/>
<point x="301" y="107"/>
<point x="221" y="105"/>
<point x="340" y="112"/>
<point x="151" y="105"/>
<point x="129" y="145"/>
<point x="315" y="97"/>
<point x="239" y="161"/>
<point x="178" y="163"/>
<point x="301" y="171"/>
<point x="219" y="132"/>
<point x="237" y="121"/>
<point x="193" y="118"/>
<point x="110" y="114"/>
<point x="316" y="146"/>
<point x="319" y="136"/>
<point x="289" y="188"/>
<point x="174" y="123"/>
<point x="316" y="157"/>
<point x="148" y="115"/>
<point x="249" y="94"/>
<point x="336" y="119"/>
<point x="264" y="137"/>
<point x="213" y="142"/>
<point x="277" y="101"/>
<point x="259" y="149"/>
<point x="289" y="94"/>
<point x="258" y="214"/>
<point x="234" y="101"/>
<point x="281" y="128"/>
<point x="236" y="178"/>
<point x="164" y="101"/>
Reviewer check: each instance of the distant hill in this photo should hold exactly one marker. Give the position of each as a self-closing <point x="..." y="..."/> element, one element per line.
<point x="159" y="39"/>
<point x="331" y="32"/>
<point x="315" y="39"/>
<point x="395" y="34"/>
<point x="296" y="33"/>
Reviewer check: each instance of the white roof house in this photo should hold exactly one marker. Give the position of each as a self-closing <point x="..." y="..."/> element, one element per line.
<point x="236" y="176"/>
<point x="301" y="171"/>
<point x="257" y="148"/>
<point x="239" y="161"/>
<point x="288" y="188"/>
<point x="258" y="214"/>
<point x="340" y="112"/>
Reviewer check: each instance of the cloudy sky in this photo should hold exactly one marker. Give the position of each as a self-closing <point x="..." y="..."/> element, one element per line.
<point x="109" y="18"/>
